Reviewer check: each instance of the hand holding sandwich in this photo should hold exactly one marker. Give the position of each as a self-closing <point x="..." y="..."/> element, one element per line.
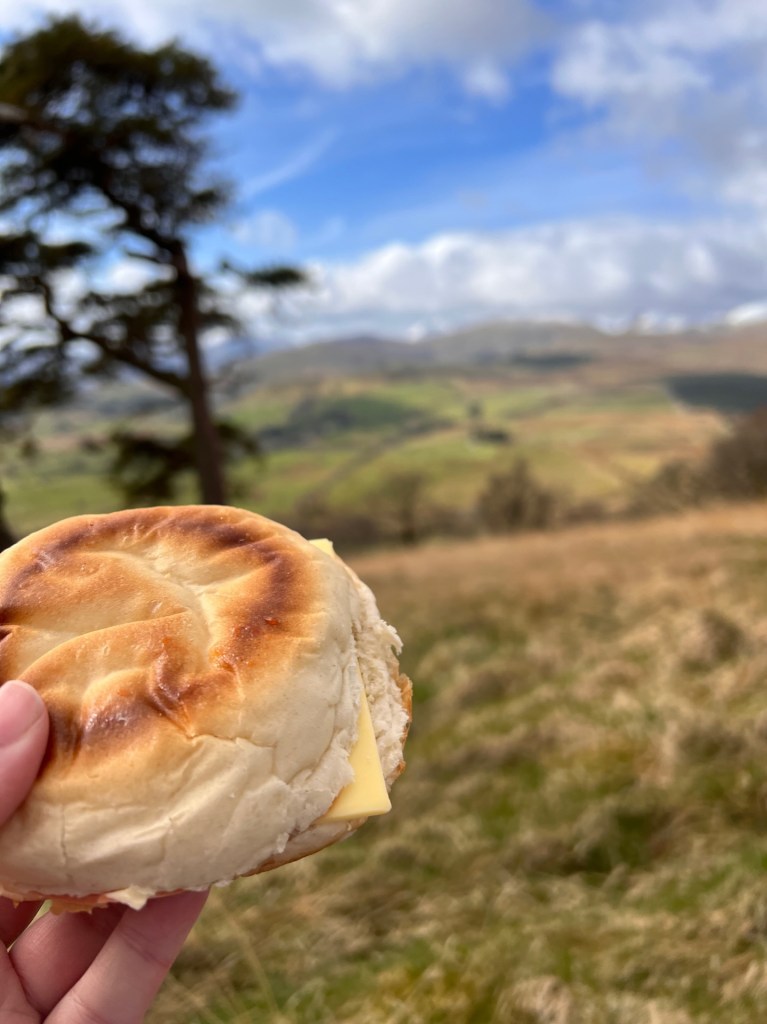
<point x="210" y="696"/>
<point x="104" y="966"/>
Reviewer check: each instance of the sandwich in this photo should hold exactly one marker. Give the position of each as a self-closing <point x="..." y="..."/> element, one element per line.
<point x="224" y="698"/>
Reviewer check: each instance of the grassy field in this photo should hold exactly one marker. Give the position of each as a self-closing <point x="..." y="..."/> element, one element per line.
<point x="343" y="438"/>
<point x="581" y="834"/>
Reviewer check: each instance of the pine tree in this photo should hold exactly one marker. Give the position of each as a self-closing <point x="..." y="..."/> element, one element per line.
<point x="111" y="138"/>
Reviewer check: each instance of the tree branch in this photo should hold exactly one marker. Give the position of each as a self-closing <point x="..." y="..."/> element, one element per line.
<point x="68" y="333"/>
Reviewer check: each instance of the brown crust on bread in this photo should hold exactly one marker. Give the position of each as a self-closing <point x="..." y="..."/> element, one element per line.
<point x="96" y="570"/>
<point x="405" y="687"/>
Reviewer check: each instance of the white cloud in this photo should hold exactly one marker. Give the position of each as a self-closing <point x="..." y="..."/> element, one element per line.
<point x="487" y="79"/>
<point x="686" y="76"/>
<point x="267" y="229"/>
<point x="658" y="55"/>
<point x="20" y="311"/>
<point x="126" y="275"/>
<point x="748" y="313"/>
<point x="339" y="41"/>
<point x="607" y="63"/>
<point x="344" y="42"/>
<point x="747" y="185"/>
<point x="688" y="73"/>
<point x="610" y="272"/>
<point x="294" y="167"/>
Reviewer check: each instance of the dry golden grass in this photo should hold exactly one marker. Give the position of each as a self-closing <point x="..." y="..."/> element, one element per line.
<point x="581" y="834"/>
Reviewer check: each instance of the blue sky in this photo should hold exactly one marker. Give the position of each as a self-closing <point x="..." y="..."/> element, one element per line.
<point x="439" y="162"/>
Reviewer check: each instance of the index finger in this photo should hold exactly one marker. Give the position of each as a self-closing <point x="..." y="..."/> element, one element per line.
<point x="122" y="981"/>
<point x="23" y="735"/>
<point x="14" y="918"/>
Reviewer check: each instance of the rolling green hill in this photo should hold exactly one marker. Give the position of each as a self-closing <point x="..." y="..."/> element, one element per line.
<point x="593" y="414"/>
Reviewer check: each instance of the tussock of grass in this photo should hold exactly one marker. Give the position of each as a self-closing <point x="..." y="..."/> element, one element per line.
<point x="581" y="834"/>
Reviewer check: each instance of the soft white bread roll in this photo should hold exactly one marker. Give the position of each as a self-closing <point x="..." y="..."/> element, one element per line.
<point x="204" y="669"/>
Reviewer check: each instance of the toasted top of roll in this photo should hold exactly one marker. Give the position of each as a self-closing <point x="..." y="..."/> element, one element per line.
<point x="204" y="669"/>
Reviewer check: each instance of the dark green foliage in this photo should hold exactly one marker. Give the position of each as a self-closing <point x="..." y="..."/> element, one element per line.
<point x="734" y="469"/>
<point x="351" y="528"/>
<point x="33" y="372"/>
<point x="274" y="277"/>
<point x="675" y="486"/>
<point x="25" y="258"/>
<point x="88" y="116"/>
<point x="145" y="467"/>
<point x="736" y="466"/>
<point x="148" y="468"/>
<point x="401" y="505"/>
<point x="32" y="376"/>
<point x="491" y="435"/>
<point x="514" y="500"/>
<point x="550" y="360"/>
<point x="728" y="393"/>
<point x="317" y="416"/>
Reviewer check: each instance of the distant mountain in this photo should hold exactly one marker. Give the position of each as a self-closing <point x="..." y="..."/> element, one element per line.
<point x="548" y="347"/>
<point x="486" y="344"/>
<point x="235" y="350"/>
<point x="503" y="341"/>
<point x="347" y="355"/>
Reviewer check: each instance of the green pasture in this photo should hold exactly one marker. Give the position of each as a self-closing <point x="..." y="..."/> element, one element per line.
<point x="343" y="440"/>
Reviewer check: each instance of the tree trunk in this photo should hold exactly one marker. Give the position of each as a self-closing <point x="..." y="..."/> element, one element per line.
<point x="210" y="468"/>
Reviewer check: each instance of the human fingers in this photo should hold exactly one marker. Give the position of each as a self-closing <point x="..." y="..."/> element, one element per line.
<point x="54" y="953"/>
<point x="14" y="919"/>
<point x="124" y="978"/>
<point x="23" y="735"/>
<point x="14" y="1008"/>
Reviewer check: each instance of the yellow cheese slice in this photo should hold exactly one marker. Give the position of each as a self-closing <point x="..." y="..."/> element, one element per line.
<point x="324" y="545"/>
<point x="367" y="794"/>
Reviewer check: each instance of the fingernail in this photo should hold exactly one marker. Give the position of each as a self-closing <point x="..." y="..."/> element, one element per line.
<point x="20" y="708"/>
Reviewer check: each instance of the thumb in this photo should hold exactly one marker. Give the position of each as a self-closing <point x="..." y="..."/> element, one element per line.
<point x="23" y="735"/>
